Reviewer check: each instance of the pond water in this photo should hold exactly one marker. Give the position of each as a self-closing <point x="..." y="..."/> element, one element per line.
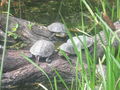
<point x="47" y="11"/>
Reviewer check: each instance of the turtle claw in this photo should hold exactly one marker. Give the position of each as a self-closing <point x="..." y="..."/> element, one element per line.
<point x="52" y="37"/>
<point x="30" y="56"/>
<point x="48" y="60"/>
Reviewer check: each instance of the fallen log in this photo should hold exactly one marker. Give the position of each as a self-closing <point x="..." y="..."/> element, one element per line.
<point x="17" y="70"/>
<point x="28" y="31"/>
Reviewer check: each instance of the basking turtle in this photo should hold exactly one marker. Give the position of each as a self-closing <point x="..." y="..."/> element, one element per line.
<point x="68" y="48"/>
<point x="58" y="29"/>
<point x="80" y="43"/>
<point x="42" y="49"/>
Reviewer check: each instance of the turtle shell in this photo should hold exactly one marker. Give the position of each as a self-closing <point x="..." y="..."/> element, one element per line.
<point x="42" y="48"/>
<point x="56" y="27"/>
<point x="67" y="48"/>
<point x="117" y="25"/>
<point x="80" y="41"/>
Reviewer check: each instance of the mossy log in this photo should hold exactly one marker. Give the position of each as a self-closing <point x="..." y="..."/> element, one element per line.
<point x="17" y="70"/>
<point x="28" y="31"/>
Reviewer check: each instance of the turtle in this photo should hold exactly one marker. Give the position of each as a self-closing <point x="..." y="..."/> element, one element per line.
<point x="58" y="29"/>
<point x="42" y="49"/>
<point x="68" y="48"/>
<point x="79" y="42"/>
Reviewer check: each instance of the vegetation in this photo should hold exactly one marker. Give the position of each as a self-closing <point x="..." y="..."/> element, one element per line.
<point x="84" y="15"/>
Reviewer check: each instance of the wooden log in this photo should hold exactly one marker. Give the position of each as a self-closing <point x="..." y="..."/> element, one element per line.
<point x="17" y="70"/>
<point x="28" y="31"/>
<point x="23" y="72"/>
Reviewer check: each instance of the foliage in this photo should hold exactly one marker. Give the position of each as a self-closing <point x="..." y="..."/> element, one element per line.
<point x="12" y="33"/>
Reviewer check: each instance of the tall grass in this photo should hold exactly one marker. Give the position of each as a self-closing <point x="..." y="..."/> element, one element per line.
<point x="5" y="41"/>
<point x="112" y="62"/>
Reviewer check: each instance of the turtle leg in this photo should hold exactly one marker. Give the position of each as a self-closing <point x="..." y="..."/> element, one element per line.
<point x="52" y="36"/>
<point x="37" y="59"/>
<point x="31" y="56"/>
<point x="48" y="60"/>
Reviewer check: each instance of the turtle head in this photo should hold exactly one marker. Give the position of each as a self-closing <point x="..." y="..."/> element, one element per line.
<point x="61" y="34"/>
